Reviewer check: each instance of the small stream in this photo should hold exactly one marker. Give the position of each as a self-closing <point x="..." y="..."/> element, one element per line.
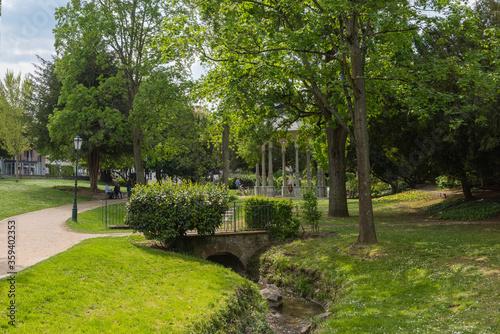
<point x="295" y="314"/>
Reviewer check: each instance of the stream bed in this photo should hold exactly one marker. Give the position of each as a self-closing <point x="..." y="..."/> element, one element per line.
<point x="295" y="315"/>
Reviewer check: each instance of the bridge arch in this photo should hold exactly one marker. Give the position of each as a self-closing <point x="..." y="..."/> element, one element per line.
<point x="228" y="260"/>
<point x="233" y="248"/>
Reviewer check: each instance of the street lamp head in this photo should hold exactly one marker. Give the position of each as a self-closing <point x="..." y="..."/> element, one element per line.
<point x="78" y="142"/>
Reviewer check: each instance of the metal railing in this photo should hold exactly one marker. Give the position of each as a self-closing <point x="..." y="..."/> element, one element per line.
<point x="112" y="214"/>
<point x="236" y="219"/>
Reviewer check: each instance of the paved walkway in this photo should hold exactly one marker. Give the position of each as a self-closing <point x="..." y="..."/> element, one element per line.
<point x="42" y="234"/>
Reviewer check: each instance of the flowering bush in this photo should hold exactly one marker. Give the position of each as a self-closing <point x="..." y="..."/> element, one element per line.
<point x="168" y="210"/>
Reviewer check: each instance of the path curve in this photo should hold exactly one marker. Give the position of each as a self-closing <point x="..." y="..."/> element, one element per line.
<point x="42" y="234"/>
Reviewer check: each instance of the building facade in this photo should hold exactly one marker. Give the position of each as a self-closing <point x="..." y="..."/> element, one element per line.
<point x="30" y="163"/>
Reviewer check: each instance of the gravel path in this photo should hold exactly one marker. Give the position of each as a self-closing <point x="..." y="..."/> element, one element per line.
<point x="42" y="234"/>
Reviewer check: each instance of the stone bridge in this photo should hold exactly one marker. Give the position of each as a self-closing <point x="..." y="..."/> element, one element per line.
<point x="231" y="249"/>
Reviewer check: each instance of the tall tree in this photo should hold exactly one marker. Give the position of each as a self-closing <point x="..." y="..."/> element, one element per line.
<point x="15" y="96"/>
<point x="457" y="56"/>
<point x="93" y="104"/>
<point x="46" y="92"/>
<point x="128" y="29"/>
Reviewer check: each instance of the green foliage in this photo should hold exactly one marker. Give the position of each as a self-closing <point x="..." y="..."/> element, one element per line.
<point x="379" y="188"/>
<point x="15" y="95"/>
<point x="166" y="211"/>
<point x="275" y="213"/>
<point x="121" y="181"/>
<point x="310" y="212"/>
<point x="446" y="182"/>
<point x="352" y="187"/>
<point x="470" y="211"/>
<point x="246" y="181"/>
<point x="65" y="170"/>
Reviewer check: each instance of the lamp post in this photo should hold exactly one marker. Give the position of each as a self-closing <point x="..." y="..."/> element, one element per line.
<point x="77" y="141"/>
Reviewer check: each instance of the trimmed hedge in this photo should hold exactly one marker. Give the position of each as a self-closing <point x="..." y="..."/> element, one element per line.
<point x="166" y="211"/>
<point x="279" y="218"/>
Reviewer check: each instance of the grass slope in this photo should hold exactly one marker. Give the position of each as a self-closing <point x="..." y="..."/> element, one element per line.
<point x="33" y="195"/>
<point x="417" y="279"/>
<point x="110" y="285"/>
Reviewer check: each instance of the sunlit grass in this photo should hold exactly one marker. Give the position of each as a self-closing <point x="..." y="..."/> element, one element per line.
<point x="35" y="194"/>
<point x="417" y="279"/>
<point x="110" y="285"/>
<point x="94" y="221"/>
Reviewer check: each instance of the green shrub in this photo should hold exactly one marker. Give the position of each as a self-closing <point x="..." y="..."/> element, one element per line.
<point x="246" y="181"/>
<point x="65" y="170"/>
<point x="445" y="182"/>
<point x="278" y="217"/>
<point x="278" y="181"/>
<point x="166" y="211"/>
<point x="352" y="188"/>
<point x="310" y="212"/>
<point x="349" y="176"/>
<point x="379" y="188"/>
<point x="121" y="181"/>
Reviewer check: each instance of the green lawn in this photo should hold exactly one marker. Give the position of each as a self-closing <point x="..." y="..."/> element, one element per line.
<point x="402" y="208"/>
<point x="93" y="221"/>
<point x="417" y="279"/>
<point x="32" y="195"/>
<point x="113" y="285"/>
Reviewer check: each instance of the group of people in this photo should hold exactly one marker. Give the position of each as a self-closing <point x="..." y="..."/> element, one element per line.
<point x="116" y="193"/>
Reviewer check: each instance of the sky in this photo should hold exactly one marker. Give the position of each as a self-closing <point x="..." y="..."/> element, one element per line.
<point x="26" y="31"/>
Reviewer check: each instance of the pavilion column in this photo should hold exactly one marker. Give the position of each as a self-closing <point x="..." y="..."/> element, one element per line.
<point x="296" y="190"/>
<point x="320" y="183"/>
<point x="284" y="190"/>
<point x="263" y="148"/>
<point x="270" y="184"/>
<point x="257" y="179"/>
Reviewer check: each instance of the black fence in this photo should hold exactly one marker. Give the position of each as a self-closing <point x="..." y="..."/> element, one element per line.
<point x="112" y="214"/>
<point x="254" y="218"/>
<point x="236" y="218"/>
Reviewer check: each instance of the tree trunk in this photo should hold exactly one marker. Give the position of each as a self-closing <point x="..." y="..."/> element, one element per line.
<point x="367" y="233"/>
<point x="158" y="172"/>
<point x="336" y="140"/>
<point x="466" y="188"/>
<point x="93" y="166"/>
<point x="225" y="154"/>
<point x="17" y="168"/>
<point x="136" y="143"/>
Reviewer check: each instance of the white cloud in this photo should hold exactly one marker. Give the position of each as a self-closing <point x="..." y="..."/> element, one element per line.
<point x="26" y="31"/>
